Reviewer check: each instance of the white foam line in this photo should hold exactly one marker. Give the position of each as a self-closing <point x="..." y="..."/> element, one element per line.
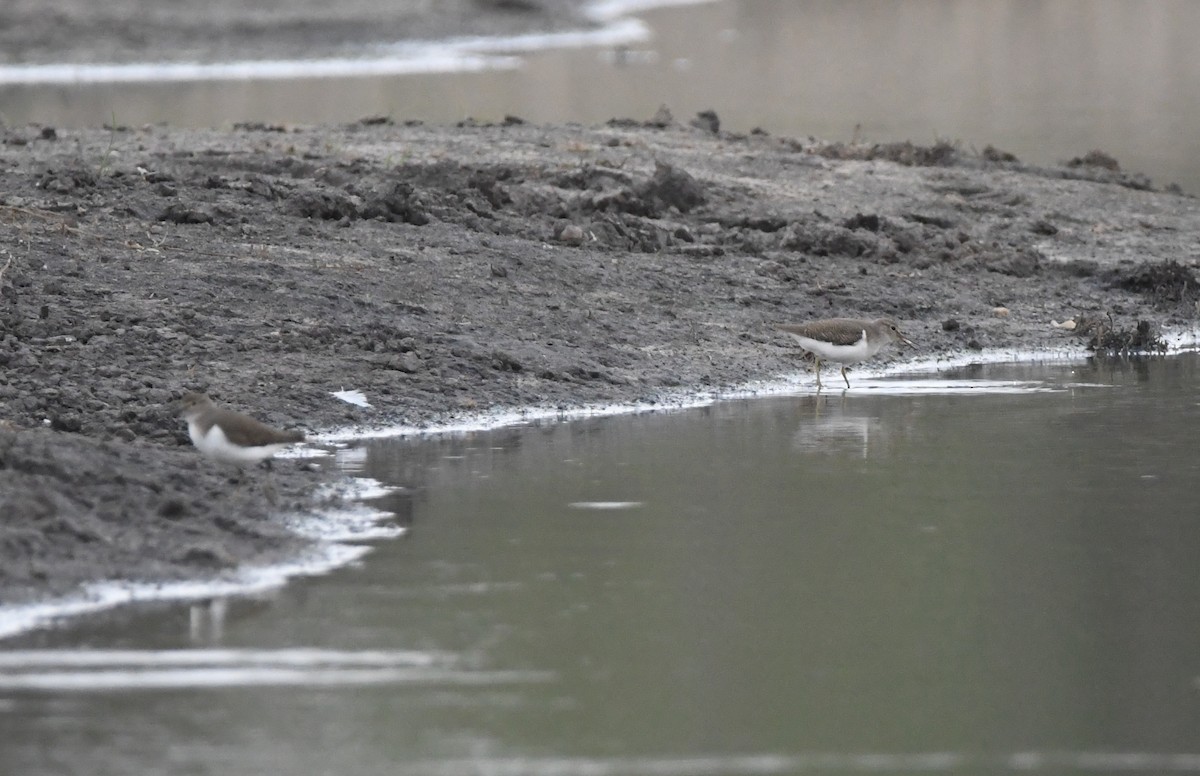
<point x="302" y="452"/>
<point x="605" y="504"/>
<point x="786" y="385"/>
<point x="938" y="387"/>
<point x="351" y="523"/>
<point x="156" y="658"/>
<point x="357" y="489"/>
<point x="461" y="54"/>
<point x="615" y="33"/>
<point x="766" y="764"/>
<point x="1128" y="762"/>
<point x="1182" y="340"/>
<point x="103" y="595"/>
<point x="516" y="417"/>
<point x="413" y="62"/>
<point x="198" y="678"/>
<point x="329" y="528"/>
<point x="607" y="10"/>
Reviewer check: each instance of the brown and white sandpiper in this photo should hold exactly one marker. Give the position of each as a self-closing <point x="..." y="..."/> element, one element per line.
<point x="231" y="436"/>
<point x="844" y="340"/>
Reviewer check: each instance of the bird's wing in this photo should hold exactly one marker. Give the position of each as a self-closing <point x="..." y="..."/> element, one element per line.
<point x="835" y="335"/>
<point x="250" y="432"/>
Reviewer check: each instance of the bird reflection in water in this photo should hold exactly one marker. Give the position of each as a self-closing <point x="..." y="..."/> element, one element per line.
<point x="834" y="428"/>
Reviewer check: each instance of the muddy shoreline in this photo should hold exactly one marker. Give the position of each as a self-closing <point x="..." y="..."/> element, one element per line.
<point x="446" y="271"/>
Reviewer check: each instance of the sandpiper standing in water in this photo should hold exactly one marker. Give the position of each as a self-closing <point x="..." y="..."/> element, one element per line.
<point x="844" y="340"/>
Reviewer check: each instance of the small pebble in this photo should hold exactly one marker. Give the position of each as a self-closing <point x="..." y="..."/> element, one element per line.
<point x="572" y="234"/>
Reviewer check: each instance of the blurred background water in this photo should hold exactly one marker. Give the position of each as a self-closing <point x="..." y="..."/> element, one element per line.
<point x="1047" y="80"/>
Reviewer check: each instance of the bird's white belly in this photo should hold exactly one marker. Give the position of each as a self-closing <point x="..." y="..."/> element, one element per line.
<point x="844" y="354"/>
<point x="216" y="445"/>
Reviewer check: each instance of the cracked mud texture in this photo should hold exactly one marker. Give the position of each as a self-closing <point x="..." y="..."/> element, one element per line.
<point x="446" y="271"/>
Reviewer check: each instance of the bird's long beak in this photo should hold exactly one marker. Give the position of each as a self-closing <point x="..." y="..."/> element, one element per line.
<point x="906" y="340"/>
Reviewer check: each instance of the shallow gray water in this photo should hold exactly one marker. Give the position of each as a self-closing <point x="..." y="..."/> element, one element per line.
<point x="889" y="580"/>
<point x="1047" y="80"/>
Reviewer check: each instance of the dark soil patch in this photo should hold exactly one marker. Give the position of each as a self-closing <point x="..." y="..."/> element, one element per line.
<point x="1164" y="282"/>
<point x="1141" y="338"/>
<point x="78" y="509"/>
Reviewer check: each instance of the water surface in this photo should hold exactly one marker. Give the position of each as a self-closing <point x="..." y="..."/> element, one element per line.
<point x="1047" y="80"/>
<point x="879" y="581"/>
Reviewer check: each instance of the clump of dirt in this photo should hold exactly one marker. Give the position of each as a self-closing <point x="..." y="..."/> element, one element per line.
<point x="1095" y="159"/>
<point x="1109" y="339"/>
<point x="1103" y="168"/>
<point x="708" y="121"/>
<point x="906" y="153"/>
<point x="1163" y="282"/>
<point x="992" y="154"/>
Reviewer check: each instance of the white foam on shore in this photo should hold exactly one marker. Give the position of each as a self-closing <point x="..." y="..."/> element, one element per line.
<point x="819" y="762"/>
<point x="88" y="670"/>
<point x="99" y="596"/>
<point x="608" y="10"/>
<point x="329" y="529"/>
<point x="412" y="62"/>
<point x="351" y="522"/>
<point x="874" y="380"/>
<point x="123" y="670"/>
<point x="459" y="54"/>
<point x="290" y="657"/>
<point x="606" y="505"/>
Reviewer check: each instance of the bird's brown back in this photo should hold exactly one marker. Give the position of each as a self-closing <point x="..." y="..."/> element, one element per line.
<point x="836" y="331"/>
<point x="248" y="432"/>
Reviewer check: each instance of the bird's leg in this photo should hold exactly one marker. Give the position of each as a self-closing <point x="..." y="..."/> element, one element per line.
<point x="847" y="379"/>
<point x="817" y="359"/>
<point x="268" y="482"/>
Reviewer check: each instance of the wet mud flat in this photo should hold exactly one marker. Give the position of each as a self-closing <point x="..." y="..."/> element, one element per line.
<point x="450" y="271"/>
